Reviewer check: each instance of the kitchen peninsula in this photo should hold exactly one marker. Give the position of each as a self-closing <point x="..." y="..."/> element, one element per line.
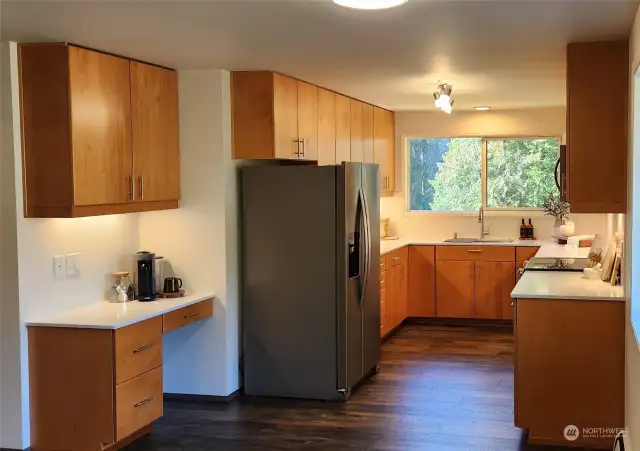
<point x="96" y="372"/>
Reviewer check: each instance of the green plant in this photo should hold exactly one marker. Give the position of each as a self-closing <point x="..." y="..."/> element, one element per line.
<point x="556" y="207"/>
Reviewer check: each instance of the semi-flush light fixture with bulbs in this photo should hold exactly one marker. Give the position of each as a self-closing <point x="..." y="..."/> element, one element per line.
<point x="370" y="4"/>
<point x="443" y="97"/>
<point x="482" y="108"/>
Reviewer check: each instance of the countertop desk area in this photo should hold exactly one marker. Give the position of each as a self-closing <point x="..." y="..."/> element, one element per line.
<point x="95" y="373"/>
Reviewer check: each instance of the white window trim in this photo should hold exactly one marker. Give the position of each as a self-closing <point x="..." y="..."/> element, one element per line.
<point x="489" y="212"/>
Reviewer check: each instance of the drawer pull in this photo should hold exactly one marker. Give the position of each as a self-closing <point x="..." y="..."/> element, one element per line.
<point x="474" y="251"/>
<point x="142" y="348"/>
<point x="396" y="258"/>
<point x="381" y="282"/>
<point x="191" y="315"/>
<point x="143" y="402"/>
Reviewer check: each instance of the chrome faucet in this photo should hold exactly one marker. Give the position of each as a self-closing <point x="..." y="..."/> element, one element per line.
<point x="483" y="231"/>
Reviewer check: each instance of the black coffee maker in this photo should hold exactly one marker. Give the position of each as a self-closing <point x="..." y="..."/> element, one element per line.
<point x="146" y="276"/>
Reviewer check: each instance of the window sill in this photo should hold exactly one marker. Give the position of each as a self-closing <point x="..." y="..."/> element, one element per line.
<point x="487" y="213"/>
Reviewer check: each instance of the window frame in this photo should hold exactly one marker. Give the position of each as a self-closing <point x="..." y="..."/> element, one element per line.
<point x="483" y="179"/>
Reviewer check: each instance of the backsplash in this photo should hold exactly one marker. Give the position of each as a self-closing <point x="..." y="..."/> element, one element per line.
<point x="442" y="226"/>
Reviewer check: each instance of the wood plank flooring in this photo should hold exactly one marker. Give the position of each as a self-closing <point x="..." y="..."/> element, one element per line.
<point x="439" y="389"/>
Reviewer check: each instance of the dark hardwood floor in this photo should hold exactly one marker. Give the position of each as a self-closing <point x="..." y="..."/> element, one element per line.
<point x="439" y="388"/>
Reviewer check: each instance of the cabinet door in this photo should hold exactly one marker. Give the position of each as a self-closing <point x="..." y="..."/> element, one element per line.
<point x="597" y="126"/>
<point x="367" y="133"/>
<point x="100" y="94"/>
<point x="326" y="127"/>
<point x="383" y="304"/>
<point x="156" y="149"/>
<point x="285" y="107"/>
<point x="308" y="120"/>
<point x="454" y="289"/>
<point x="357" y="149"/>
<point x="343" y="129"/>
<point x="384" y="148"/>
<point x="494" y="282"/>
<point x="421" y="294"/>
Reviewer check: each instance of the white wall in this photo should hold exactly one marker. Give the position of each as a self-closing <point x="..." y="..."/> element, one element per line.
<point x="437" y="226"/>
<point x="632" y="244"/>
<point x="106" y="243"/>
<point x="200" y="239"/>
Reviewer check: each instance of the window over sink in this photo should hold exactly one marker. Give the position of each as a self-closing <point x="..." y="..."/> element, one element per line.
<point x="459" y="174"/>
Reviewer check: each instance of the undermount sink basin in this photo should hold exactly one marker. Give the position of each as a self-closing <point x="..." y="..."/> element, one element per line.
<point x="478" y="240"/>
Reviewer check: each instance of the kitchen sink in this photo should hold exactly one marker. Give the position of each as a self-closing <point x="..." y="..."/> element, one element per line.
<point x="478" y="240"/>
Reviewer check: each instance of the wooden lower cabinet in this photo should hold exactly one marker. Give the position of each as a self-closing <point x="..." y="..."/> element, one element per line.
<point x="494" y="282"/>
<point x="455" y="289"/>
<point x="393" y="289"/>
<point x="569" y="369"/>
<point x="422" y="281"/>
<point x="98" y="389"/>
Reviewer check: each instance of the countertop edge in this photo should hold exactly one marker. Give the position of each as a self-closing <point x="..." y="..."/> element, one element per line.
<point x="569" y="298"/>
<point x="143" y="317"/>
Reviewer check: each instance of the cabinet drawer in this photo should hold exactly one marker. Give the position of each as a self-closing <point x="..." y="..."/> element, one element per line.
<point x="476" y="253"/>
<point x="397" y="257"/>
<point x="383" y="263"/>
<point x="138" y="349"/>
<point x="187" y="315"/>
<point x="138" y="403"/>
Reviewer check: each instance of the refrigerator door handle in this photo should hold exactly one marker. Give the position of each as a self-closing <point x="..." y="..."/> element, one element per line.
<point x="367" y="247"/>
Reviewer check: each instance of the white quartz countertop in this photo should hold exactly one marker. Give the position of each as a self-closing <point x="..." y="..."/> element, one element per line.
<point x="391" y="245"/>
<point x="564" y="285"/>
<point x="105" y="315"/>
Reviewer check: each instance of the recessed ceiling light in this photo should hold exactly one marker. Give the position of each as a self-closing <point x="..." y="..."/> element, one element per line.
<point x="370" y="4"/>
<point x="482" y="108"/>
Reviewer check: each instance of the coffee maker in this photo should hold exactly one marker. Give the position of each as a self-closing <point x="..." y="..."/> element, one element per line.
<point x="146" y="276"/>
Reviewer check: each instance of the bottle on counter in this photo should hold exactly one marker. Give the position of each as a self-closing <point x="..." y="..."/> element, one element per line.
<point x="523" y="231"/>
<point x="530" y="232"/>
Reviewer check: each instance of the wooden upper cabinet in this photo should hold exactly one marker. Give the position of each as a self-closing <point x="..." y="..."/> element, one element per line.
<point x="285" y="117"/>
<point x="156" y="149"/>
<point x="326" y="127"/>
<point x="101" y="127"/>
<point x="308" y="121"/>
<point x="273" y="116"/>
<point x="77" y="134"/>
<point x="597" y="122"/>
<point x="367" y="133"/>
<point x="455" y="289"/>
<point x="422" y="282"/>
<point x="357" y="148"/>
<point x="494" y="282"/>
<point x="384" y="148"/>
<point x="343" y="129"/>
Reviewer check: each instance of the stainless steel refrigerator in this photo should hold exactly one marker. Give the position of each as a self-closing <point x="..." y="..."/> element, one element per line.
<point x="310" y="294"/>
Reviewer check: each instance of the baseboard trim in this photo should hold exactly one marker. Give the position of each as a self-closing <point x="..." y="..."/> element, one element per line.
<point x="502" y="323"/>
<point x="200" y="398"/>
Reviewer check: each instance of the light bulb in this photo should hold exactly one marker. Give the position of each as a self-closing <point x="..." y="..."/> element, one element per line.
<point x="370" y="4"/>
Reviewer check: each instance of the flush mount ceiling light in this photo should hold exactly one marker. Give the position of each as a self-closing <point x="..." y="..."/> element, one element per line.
<point x="370" y="4"/>
<point x="443" y="98"/>
<point x="482" y="108"/>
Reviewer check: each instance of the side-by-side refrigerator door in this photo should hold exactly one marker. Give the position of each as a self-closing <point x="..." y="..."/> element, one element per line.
<point x="371" y="300"/>
<point x="352" y="258"/>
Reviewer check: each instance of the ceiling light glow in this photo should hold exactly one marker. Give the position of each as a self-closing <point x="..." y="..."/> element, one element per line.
<point x="370" y="4"/>
<point x="482" y="108"/>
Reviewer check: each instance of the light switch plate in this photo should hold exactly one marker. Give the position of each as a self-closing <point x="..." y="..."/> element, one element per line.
<point x="59" y="266"/>
<point x="73" y="265"/>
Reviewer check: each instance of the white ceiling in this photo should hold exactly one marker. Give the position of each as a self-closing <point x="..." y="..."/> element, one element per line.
<point x="507" y="54"/>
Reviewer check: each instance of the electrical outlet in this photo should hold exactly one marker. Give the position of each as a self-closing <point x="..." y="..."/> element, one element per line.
<point x="59" y="266"/>
<point x="73" y="265"/>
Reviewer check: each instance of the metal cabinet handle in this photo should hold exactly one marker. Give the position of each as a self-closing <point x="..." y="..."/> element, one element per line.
<point x="303" y="141"/>
<point x="142" y="348"/>
<point x="396" y="258"/>
<point x="141" y="182"/>
<point x="474" y="251"/>
<point x="143" y="402"/>
<point x="297" y="152"/>
<point x="132" y="195"/>
<point x="381" y="282"/>
<point x="191" y="315"/>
